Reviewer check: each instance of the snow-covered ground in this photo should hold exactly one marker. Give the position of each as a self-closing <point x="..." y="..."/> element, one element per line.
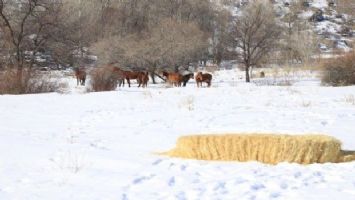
<point x="102" y="145"/>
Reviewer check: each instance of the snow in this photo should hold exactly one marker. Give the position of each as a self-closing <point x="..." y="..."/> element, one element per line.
<point x="103" y="145"/>
<point x="327" y="26"/>
<point x="306" y="14"/>
<point x="319" y="4"/>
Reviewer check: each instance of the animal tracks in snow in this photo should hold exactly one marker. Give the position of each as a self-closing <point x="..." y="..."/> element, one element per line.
<point x="177" y="179"/>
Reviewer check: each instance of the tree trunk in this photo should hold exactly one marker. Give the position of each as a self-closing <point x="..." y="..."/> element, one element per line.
<point x="152" y="76"/>
<point x="247" y="75"/>
<point x="160" y="77"/>
<point x="19" y="76"/>
<point x="251" y="72"/>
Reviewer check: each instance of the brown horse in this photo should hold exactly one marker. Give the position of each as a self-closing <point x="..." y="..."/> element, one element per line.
<point x="173" y="78"/>
<point x="128" y="75"/>
<point x="118" y="76"/>
<point x="143" y="79"/>
<point x="186" y="78"/>
<point x="200" y="78"/>
<point x="80" y="75"/>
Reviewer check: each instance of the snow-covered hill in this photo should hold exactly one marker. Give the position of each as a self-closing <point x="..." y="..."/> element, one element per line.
<point x="335" y="29"/>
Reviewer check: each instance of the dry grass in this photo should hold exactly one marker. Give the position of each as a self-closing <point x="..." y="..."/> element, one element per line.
<point x="147" y="94"/>
<point x="306" y="103"/>
<point x="102" y="79"/>
<point x="266" y="148"/>
<point x="350" y="99"/>
<point x="346" y="156"/>
<point x="31" y="82"/>
<point x="212" y="68"/>
<point x="188" y="103"/>
<point x="293" y="91"/>
<point x="340" y="71"/>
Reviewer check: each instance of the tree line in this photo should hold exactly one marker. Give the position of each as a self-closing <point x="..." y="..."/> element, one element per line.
<point x="149" y="34"/>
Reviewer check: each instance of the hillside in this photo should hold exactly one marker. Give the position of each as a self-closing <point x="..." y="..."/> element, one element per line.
<point x="332" y="21"/>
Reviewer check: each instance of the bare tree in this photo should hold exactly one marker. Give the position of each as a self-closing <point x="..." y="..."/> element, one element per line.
<point x="168" y="45"/>
<point x="28" y="26"/>
<point x="256" y="34"/>
<point x="298" y="42"/>
<point x="221" y="37"/>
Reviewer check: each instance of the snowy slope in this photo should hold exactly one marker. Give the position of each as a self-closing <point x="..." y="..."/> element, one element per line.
<point x="330" y="30"/>
<point x="101" y="145"/>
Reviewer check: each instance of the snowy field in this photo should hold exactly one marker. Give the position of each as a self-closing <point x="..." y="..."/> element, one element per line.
<point x="98" y="146"/>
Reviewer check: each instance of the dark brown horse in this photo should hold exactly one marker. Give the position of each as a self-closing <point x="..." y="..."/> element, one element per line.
<point x="200" y="78"/>
<point x="80" y="75"/>
<point x="173" y="78"/>
<point x="143" y="79"/>
<point x="186" y="78"/>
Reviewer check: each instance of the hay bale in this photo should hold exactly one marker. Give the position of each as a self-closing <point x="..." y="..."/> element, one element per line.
<point x="266" y="148"/>
<point x="346" y="156"/>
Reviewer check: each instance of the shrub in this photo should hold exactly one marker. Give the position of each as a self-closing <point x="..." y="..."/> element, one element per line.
<point x="102" y="79"/>
<point x="340" y="71"/>
<point x="30" y="82"/>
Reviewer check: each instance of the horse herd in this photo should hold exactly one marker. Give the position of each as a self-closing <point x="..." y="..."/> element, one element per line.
<point x="142" y="77"/>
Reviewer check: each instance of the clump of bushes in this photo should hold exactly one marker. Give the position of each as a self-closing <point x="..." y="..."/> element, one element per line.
<point x="27" y="81"/>
<point x="103" y="79"/>
<point x="340" y="71"/>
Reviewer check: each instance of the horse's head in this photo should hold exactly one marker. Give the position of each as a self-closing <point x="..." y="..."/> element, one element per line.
<point x="198" y="76"/>
<point x="166" y="74"/>
<point x="78" y="70"/>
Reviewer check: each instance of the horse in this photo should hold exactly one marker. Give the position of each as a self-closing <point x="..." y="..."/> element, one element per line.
<point x="186" y="78"/>
<point x="118" y="76"/>
<point x="200" y="78"/>
<point x="80" y="75"/>
<point x="262" y="74"/>
<point x="128" y="75"/>
<point x="173" y="78"/>
<point x="143" y="79"/>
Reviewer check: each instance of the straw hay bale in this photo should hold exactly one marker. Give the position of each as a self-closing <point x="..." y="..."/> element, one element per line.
<point x="266" y="148"/>
<point x="346" y="156"/>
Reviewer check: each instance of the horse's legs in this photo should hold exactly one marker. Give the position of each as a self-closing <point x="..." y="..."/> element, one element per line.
<point x="140" y="82"/>
<point x="129" y="83"/>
